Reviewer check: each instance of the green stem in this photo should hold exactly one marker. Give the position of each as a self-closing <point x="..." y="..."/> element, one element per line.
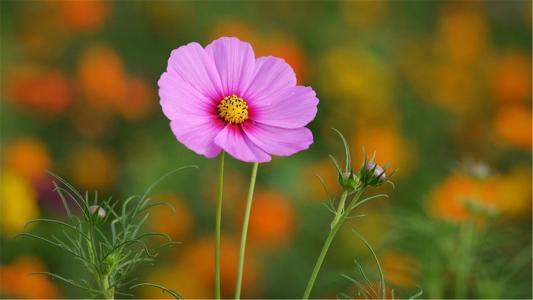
<point x="464" y="261"/>
<point x="335" y="225"/>
<point x="109" y="293"/>
<point x="218" y="225"/>
<point x="245" y="230"/>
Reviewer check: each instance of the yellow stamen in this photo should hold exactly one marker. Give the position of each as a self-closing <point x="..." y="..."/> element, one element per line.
<point x="233" y="109"/>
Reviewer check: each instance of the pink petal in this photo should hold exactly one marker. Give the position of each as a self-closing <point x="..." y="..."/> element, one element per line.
<point x="194" y="66"/>
<point x="278" y="141"/>
<point x="289" y="108"/>
<point x="198" y="134"/>
<point x="233" y="140"/>
<point x="179" y="98"/>
<point x="235" y="62"/>
<point x="271" y="75"/>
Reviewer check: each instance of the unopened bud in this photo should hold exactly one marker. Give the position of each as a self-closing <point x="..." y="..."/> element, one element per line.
<point x="97" y="211"/>
<point x="372" y="174"/>
<point x="379" y="172"/>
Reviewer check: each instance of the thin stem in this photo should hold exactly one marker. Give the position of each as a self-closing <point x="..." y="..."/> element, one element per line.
<point x="218" y="225"/>
<point x="335" y="225"/>
<point x="464" y="262"/>
<point x="245" y="230"/>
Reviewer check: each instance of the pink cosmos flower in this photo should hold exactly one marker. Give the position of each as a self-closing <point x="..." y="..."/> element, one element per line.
<point x="222" y="97"/>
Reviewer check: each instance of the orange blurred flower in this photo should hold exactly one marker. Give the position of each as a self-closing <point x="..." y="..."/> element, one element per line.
<point x="177" y="223"/>
<point x="313" y="187"/>
<point x="463" y="32"/>
<point x="272" y="220"/>
<point x="139" y="100"/>
<point x="29" y="157"/>
<point x="513" y="125"/>
<point x="16" y="280"/>
<point x="93" y="168"/>
<point x="450" y="200"/>
<point x="511" y="80"/>
<point x="390" y="147"/>
<point x="82" y="16"/>
<point x="198" y="259"/>
<point x="102" y="77"/>
<point x="39" y="89"/>
<point x="455" y="88"/>
<point x="285" y="47"/>
<point x="18" y="202"/>
<point x="399" y="269"/>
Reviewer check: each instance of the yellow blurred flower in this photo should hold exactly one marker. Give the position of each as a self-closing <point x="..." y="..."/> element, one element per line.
<point x="450" y="200"/>
<point x="357" y="84"/>
<point x="177" y="223"/>
<point x="356" y="75"/>
<point x="364" y="13"/>
<point x="513" y="193"/>
<point x="272" y="220"/>
<point x="233" y="27"/>
<point x="512" y="125"/>
<point x="16" y="280"/>
<point x="39" y="89"/>
<point x="102" y="77"/>
<point x="388" y="144"/>
<point x="28" y="157"/>
<point x="92" y="168"/>
<point x="17" y="202"/>
<point x="185" y="282"/>
<point x="400" y="269"/>
<point x="455" y="88"/>
<point x="511" y="77"/>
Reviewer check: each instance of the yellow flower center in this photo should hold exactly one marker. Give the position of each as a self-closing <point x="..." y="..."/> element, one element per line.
<point x="233" y="109"/>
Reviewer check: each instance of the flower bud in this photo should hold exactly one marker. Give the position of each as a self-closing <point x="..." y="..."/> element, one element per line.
<point x="97" y="212"/>
<point x="372" y="174"/>
<point x="348" y="180"/>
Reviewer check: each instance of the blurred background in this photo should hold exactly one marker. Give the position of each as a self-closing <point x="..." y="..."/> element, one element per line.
<point x="441" y="90"/>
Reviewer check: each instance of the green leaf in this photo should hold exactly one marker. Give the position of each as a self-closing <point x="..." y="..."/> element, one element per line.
<point x="346" y="150"/>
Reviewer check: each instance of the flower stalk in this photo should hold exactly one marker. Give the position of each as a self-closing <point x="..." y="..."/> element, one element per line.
<point x="464" y="259"/>
<point x="218" y="226"/>
<point x="340" y="217"/>
<point x="107" y="291"/>
<point x="245" y="230"/>
<point x="353" y="185"/>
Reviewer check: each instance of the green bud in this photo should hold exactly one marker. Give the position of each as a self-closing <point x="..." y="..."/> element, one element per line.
<point x="348" y="180"/>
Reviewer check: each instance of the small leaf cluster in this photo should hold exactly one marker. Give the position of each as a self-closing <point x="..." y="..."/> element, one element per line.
<point x="107" y="238"/>
<point x="353" y="183"/>
<point x="369" y="174"/>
